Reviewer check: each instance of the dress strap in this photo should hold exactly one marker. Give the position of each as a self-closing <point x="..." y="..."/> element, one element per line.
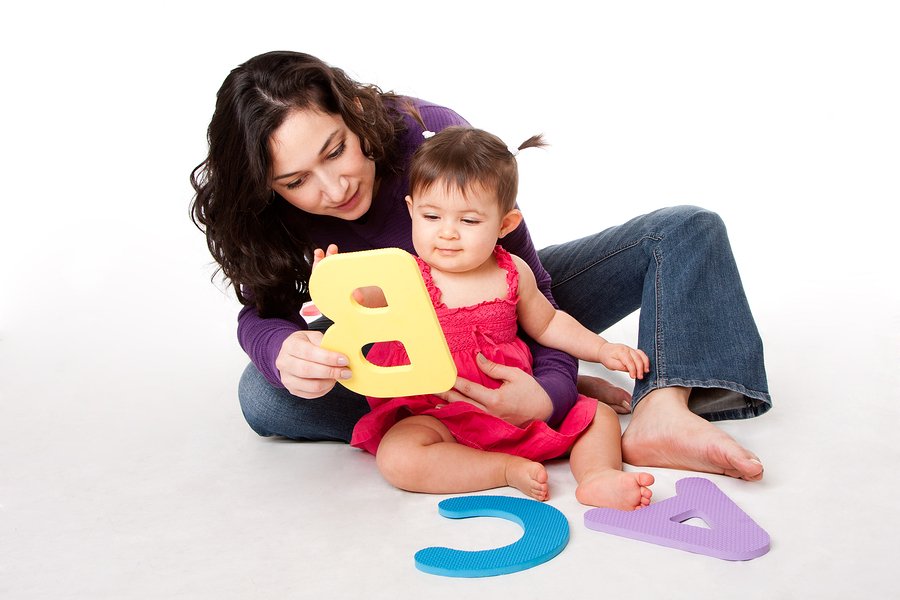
<point x="434" y="293"/>
<point x="505" y="262"/>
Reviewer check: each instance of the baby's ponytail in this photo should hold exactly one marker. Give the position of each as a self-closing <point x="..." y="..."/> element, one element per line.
<point x="535" y="141"/>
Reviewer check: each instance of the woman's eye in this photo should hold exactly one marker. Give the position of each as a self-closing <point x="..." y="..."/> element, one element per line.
<point x="295" y="184"/>
<point x="337" y="151"/>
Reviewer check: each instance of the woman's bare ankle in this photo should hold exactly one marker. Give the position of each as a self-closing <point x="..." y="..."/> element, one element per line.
<point x="665" y="398"/>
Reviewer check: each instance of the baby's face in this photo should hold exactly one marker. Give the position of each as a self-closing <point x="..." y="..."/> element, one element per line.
<point x="452" y="231"/>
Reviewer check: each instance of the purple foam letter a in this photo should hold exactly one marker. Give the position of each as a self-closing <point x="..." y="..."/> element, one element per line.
<point x="732" y="534"/>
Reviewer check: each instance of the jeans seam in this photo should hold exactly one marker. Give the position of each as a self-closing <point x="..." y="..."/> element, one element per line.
<point x="603" y="258"/>
<point x="658" y="345"/>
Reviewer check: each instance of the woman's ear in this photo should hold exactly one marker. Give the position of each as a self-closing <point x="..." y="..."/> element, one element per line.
<point x="510" y="221"/>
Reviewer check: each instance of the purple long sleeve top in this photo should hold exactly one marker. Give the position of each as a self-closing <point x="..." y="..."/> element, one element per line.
<point x="386" y="225"/>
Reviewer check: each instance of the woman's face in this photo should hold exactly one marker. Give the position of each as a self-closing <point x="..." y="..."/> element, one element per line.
<point x="318" y="166"/>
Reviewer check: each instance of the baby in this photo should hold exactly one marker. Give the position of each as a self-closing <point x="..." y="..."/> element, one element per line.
<point x="463" y="185"/>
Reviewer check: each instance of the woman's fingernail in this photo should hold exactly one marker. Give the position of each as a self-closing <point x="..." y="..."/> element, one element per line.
<point x="346" y="374"/>
<point x="342" y="362"/>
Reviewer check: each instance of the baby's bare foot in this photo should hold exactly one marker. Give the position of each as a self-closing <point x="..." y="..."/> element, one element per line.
<point x="610" y="488"/>
<point x="528" y="477"/>
<point x="669" y="435"/>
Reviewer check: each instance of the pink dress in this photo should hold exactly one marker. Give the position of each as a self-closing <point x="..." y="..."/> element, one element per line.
<point x="489" y="328"/>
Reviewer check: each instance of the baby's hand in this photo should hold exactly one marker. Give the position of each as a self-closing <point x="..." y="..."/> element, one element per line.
<point x="319" y="254"/>
<point x="619" y="357"/>
<point x="370" y="297"/>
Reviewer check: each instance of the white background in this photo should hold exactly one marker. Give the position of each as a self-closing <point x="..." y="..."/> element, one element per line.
<point x="125" y="467"/>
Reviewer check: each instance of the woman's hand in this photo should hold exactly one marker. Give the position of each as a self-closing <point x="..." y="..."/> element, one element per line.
<point x="605" y="392"/>
<point x="519" y="399"/>
<point x="308" y="370"/>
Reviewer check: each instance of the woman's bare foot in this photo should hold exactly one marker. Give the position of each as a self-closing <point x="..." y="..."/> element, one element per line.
<point x="605" y="392"/>
<point x="664" y="433"/>
<point x="611" y="488"/>
<point x="528" y="477"/>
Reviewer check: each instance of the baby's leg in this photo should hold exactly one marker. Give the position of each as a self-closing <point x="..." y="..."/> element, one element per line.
<point x="419" y="454"/>
<point x="596" y="461"/>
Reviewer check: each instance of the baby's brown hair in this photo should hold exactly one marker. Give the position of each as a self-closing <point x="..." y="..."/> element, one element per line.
<point x="462" y="157"/>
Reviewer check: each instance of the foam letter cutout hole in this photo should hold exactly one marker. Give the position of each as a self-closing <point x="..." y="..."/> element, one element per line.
<point x="732" y="535"/>
<point x="546" y="534"/>
<point x="409" y="318"/>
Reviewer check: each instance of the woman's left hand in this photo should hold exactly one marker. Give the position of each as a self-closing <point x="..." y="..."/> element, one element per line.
<point x="518" y="400"/>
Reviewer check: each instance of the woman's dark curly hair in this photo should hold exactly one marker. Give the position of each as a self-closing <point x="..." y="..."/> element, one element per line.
<point x="266" y="262"/>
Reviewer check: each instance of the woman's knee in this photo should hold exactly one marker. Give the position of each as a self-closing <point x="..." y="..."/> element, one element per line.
<point x="274" y="411"/>
<point x="698" y="218"/>
<point x="695" y="226"/>
<point x="253" y="393"/>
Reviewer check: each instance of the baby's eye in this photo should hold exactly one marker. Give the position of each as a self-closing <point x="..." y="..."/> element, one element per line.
<point x="429" y="217"/>
<point x="471" y="221"/>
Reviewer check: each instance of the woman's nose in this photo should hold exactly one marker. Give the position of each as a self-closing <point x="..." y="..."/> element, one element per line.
<point x="334" y="187"/>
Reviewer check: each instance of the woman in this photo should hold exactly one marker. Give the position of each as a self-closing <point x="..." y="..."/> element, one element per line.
<point x="302" y="157"/>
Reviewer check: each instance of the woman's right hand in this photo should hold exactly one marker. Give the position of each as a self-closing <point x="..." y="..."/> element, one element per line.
<point x="308" y="370"/>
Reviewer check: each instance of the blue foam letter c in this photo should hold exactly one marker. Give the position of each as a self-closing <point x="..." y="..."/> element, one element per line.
<point x="546" y="534"/>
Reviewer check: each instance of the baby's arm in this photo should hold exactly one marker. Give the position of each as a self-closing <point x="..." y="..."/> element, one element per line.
<point x="557" y="329"/>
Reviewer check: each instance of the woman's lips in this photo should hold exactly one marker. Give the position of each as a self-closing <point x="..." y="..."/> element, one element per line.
<point x="349" y="204"/>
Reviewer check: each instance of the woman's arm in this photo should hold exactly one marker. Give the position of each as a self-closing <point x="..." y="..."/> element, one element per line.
<point x="262" y="340"/>
<point x="288" y="355"/>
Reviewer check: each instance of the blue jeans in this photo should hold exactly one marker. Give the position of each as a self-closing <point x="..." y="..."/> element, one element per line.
<point x="274" y="411"/>
<point x="674" y="264"/>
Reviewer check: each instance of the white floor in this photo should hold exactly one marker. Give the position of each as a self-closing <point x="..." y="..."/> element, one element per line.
<point x="126" y="470"/>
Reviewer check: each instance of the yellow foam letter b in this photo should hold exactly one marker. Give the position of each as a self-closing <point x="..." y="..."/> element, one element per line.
<point x="409" y="318"/>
